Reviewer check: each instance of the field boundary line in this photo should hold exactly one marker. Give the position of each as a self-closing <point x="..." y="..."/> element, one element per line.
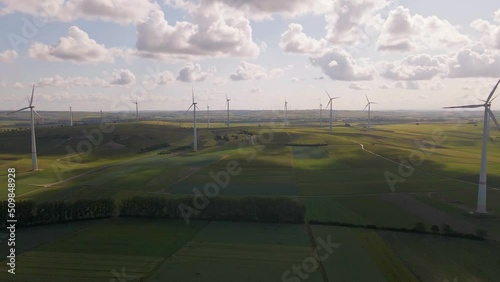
<point x="315" y="247"/>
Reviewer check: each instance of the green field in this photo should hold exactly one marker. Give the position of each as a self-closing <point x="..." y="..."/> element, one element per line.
<point x="338" y="177"/>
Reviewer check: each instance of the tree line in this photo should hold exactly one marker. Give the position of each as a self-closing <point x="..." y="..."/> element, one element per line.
<point x="30" y="213"/>
<point x="252" y="209"/>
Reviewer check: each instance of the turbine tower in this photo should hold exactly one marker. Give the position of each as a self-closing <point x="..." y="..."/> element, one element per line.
<point x="481" y="193"/>
<point x="286" y="112"/>
<point x="136" y="110"/>
<point x="102" y="117"/>
<point x="320" y="114"/>
<point x="331" y="108"/>
<point x="227" y="101"/>
<point x="195" y="137"/>
<point x="208" y="116"/>
<point x="70" y="116"/>
<point x="34" y="161"/>
<point x="369" y="111"/>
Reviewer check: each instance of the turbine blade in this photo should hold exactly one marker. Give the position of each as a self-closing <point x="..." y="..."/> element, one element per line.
<point x="38" y="114"/>
<point x="189" y="108"/>
<point x="329" y="103"/>
<point x="32" y="93"/>
<point x="328" y="94"/>
<point x="366" y="106"/>
<point x="18" y="110"/>
<point x="335" y="97"/>
<point x="367" y="99"/>
<point x="493" y="91"/>
<point x="493" y="117"/>
<point x="494" y="98"/>
<point x="192" y="93"/>
<point x="464" y="107"/>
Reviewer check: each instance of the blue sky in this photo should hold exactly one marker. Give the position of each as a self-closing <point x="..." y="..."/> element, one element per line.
<point x="103" y="54"/>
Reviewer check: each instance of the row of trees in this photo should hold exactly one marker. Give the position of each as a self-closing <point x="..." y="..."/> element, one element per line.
<point x="253" y="209"/>
<point x="174" y="150"/>
<point x="153" y="147"/>
<point x="30" y="213"/>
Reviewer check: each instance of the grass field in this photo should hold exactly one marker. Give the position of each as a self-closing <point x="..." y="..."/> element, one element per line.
<point x="338" y="176"/>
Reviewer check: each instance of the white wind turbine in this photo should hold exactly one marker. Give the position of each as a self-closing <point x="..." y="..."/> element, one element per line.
<point x="102" y="117"/>
<point x="34" y="161"/>
<point x="331" y="108"/>
<point x="195" y="137"/>
<point x="70" y="116"/>
<point x="227" y="101"/>
<point x="136" y="110"/>
<point x="286" y="112"/>
<point x="369" y="111"/>
<point x="481" y="193"/>
<point x="208" y="116"/>
<point x="320" y="114"/>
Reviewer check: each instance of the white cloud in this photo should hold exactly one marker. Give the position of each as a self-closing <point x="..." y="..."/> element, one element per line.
<point x="411" y="85"/>
<point x="192" y="72"/>
<point x="256" y="90"/>
<point x="77" y="47"/>
<point x="249" y="71"/>
<point x="474" y="61"/>
<point x="119" y="11"/>
<point x="340" y="65"/>
<point x="405" y="32"/>
<point x="358" y="86"/>
<point x="415" y="67"/>
<point x="122" y="77"/>
<point x="294" y="40"/>
<point x="216" y="31"/>
<point x="490" y="32"/>
<point x="18" y="85"/>
<point x="8" y="56"/>
<point x="159" y="78"/>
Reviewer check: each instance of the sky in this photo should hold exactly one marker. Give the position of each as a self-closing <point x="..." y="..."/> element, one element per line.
<point x="105" y="54"/>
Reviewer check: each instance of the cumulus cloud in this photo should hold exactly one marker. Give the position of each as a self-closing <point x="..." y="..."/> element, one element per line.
<point x="410" y="85"/>
<point x="76" y="47"/>
<point x="249" y="71"/>
<point x="358" y="86"/>
<point x="415" y="67"/>
<point x="255" y="90"/>
<point x="490" y="32"/>
<point x="159" y="78"/>
<point x="122" y="77"/>
<point x="119" y="11"/>
<point x="349" y="19"/>
<point x="8" y="56"/>
<point x="405" y="32"/>
<point x="294" y="40"/>
<point x="192" y="72"/>
<point x="340" y="65"/>
<point x="474" y="61"/>
<point x="216" y="31"/>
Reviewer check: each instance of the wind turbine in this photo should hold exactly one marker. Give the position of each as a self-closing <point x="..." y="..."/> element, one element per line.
<point x="481" y="193"/>
<point x="195" y="137"/>
<point x="34" y="161"/>
<point x="286" y="112"/>
<point x="102" y="118"/>
<point x="320" y="114"/>
<point x="369" y="111"/>
<point x="208" y="116"/>
<point x="331" y="108"/>
<point x="70" y="116"/>
<point x="227" y="101"/>
<point x="136" y="110"/>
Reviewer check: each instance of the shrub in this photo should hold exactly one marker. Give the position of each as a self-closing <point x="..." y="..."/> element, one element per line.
<point x="435" y="229"/>
<point x="419" y="226"/>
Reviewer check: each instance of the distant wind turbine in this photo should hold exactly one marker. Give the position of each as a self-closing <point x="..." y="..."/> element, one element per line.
<point x="136" y="110"/>
<point x="368" y="105"/>
<point x="227" y="101"/>
<point x="102" y="117"/>
<point x="70" y="116"/>
<point x="208" y="116"/>
<point x="34" y="161"/>
<point x="331" y="108"/>
<point x="286" y="112"/>
<point x="481" y="194"/>
<point x="320" y="114"/>
<point x="195" y="137"/>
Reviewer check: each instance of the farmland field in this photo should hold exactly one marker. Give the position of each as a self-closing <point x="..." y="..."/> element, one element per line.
<point x="338" y="177"/>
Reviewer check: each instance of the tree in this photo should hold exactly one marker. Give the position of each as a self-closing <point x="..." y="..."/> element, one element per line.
<point x="435" y="229"/>
<point x="447" y="229"/>
<point x="419" y="226"/>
